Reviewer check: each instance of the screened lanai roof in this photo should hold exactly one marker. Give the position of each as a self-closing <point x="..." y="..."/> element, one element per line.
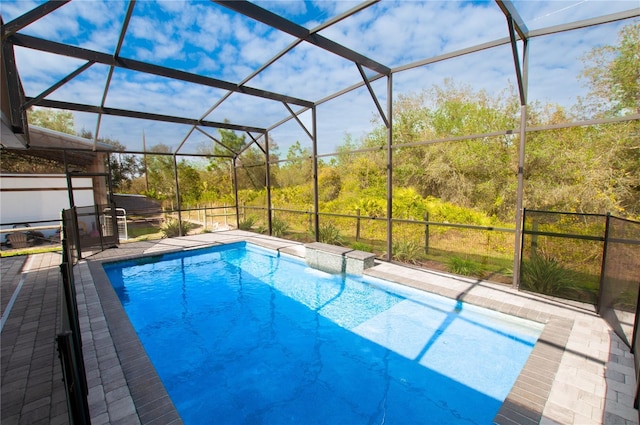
<point x="173" y="72"/>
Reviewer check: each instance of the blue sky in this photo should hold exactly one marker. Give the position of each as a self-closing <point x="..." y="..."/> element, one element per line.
<point x="202" y="37"/>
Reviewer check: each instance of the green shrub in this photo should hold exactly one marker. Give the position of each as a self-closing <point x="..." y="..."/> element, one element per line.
<point x="359" y="246"/>
<point x="464" y="267"/>
<point x="279" y="227"/>
<point x="407" y="251"/>
<point x="329" y="233"/>
<point x="171" y="228"/>
<point x="247" y="223"/>
<point x="545" y="275"/>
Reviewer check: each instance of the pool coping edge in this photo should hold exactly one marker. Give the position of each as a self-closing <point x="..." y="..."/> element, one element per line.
<point x="150" y="398"/>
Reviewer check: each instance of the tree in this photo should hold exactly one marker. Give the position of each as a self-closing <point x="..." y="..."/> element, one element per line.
<point x="613" y="74"/>
<point x="252" y="169"/>
<point x="221" y="164"/>
<point x="297" y="169"/>
<point x="15" y="161"/>
<point x="124" y="168"/>
<point x="329" y="182"/>
<point x="229" y="145"/>
<point x="190" y="183"/>
<point x="52" y="119"/>
<point x="161" y="174"/>
<point x="476" y="173"/>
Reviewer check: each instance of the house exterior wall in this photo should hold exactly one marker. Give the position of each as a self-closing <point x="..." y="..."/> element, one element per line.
<point x="38" y="199"/>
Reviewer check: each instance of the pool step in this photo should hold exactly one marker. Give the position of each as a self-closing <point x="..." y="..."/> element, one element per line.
<point x="337" y="259"/>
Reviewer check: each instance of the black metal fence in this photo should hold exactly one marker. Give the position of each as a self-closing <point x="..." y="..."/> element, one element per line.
<point x="84" y="228"/>
<point x="488" y="250"/>
<point x="69" y="342"/>
<point x="636" y="361"/>
<point x="591" y="258"/>
<point x="620" y="280"/>
<point x="562" y="254"/>
<point x="89" y="228"/>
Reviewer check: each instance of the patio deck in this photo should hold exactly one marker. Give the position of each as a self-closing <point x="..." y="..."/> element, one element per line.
<point x="579" y="373"/>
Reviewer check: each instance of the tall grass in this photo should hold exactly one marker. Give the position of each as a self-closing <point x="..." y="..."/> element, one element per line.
<point x="544" y="274"/>
<point x="329" y="233"/>
<point x="407" y="251"/>
<point x="171" y="228"/>
<point x="279" y="227"/>
<point x="464" y="266"/>
<point x="247" y="223"/>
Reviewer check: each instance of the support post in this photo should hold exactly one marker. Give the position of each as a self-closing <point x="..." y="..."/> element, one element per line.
<point x="389" y="167"/>
<point x="517" y="253"/>
<point x="357" y="224"/>
<point x="268" y="184"/>
<point x="235" y="191"/>
<point x="314" y="142"/>
<point x="522" y="77"/>
<point x="144" y="159"/>
<point x="426" y="233"/>
<point x="76" y="229"/>
<point x="534" y="236"/>
<point x="175" y="173"/>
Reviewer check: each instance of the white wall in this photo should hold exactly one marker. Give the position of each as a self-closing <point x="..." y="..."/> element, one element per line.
<point x="29" y="198"/>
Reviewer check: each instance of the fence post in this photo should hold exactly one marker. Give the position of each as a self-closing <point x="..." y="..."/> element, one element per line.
<point x="426" y="233"/>
<point x="96" y="219"/>
<point x="357" y="224"/>
<point x="604" y="262"/>
<point x="534" y="237"/>
<point x="76" y="231"/>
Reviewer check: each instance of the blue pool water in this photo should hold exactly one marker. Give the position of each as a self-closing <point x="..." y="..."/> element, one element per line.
<point x="242" y="335"/>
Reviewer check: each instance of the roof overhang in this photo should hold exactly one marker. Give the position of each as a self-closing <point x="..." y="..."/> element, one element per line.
<point x="54" y="145"/>
<point x="8" y="138"/>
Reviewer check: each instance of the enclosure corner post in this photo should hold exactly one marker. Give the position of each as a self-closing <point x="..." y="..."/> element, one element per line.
<point x="316" y="218"/>
<point x="268" y="184"/>
<point x="517" y="253"/>
<point x="522" y="77"/>
<point x="389" y="167"/>
<point x="175" y="171"/>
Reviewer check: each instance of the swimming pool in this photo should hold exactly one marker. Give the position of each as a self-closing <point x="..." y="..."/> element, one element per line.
<point x="239" y="334"/>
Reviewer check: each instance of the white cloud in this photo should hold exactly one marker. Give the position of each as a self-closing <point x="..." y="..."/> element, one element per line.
<point x="204" y="37"/>
<point x="142" y="28"/>
<point x="549" y="13"/>
<point x="287" y="8"/>
<point x="94" y="12"/>
<point x="55" y="26"/>
<point x="40" y="70"/>
<point x="12" y="9"/>
<point x="556" y="62"/>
